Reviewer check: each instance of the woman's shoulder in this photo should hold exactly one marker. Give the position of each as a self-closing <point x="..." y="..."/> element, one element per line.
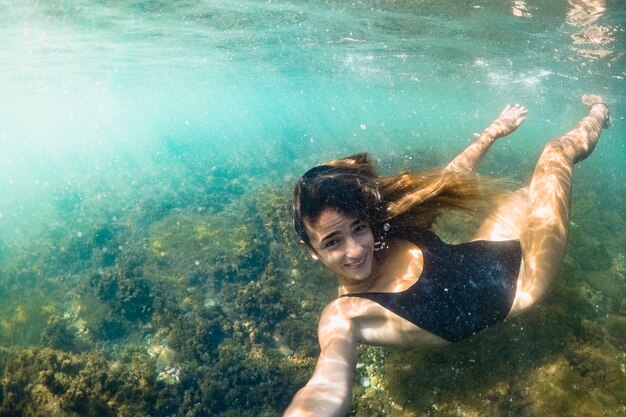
<point x="349" y="309"/>
<point x="340" y="308"/>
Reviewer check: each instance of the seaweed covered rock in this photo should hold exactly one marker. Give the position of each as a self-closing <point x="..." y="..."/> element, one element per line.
<point x="69" y="202"/>
<point x="198" y="337"/>
<point x="59" y="334"/>
<point x="298" y="333"/>
<point x="32" y="379"/>
<point x="123" y="302"/>
<point x="273" y="209"/>
<point x="584" y="381"/>
<point x="227" y="181"/>
<point x="88" y="245"/>
<point x="616" y="327"/>
<point x="25" y="314"/>
<point x="589" y="252"/>
<point x="248" y="382"/>
<point x="128" y="296"/>
<point x="260" y="302"/>
<point x="48" y="383"/>
<point x="111" y="328"/>
<point x="226" y="247"/>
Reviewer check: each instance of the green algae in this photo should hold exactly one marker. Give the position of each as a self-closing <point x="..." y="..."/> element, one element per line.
<point x="24" y="317"/>
<point x="616" y="327"/>
<point x="220" y="247"/>
<point x="589" y="252"/>
<point x="191" y="237"/>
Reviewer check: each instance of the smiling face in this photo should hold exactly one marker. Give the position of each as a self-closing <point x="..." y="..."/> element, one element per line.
<point x="345" y="244"/>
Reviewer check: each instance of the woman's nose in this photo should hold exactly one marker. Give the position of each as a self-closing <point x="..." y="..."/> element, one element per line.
<point x="354" y="249"/>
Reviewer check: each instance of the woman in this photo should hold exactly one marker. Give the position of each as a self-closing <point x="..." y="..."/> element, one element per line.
<point x="399" y="284"/>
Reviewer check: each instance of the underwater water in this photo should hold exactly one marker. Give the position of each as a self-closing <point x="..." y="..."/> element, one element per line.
<point x="147" y="154"/>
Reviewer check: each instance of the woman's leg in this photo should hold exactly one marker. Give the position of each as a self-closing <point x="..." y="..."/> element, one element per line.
<point x="543" y="234"/>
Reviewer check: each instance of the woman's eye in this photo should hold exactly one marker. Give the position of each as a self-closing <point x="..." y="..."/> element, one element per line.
<point x="361" y="227"/>
<point x="331" y="243"/>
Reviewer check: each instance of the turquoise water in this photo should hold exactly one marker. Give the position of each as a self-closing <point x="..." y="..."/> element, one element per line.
<point x="147" y="151"/>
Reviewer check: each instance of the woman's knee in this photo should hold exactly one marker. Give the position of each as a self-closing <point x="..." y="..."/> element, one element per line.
<point x="570" y="147"/>
<point x="557" y="149"/>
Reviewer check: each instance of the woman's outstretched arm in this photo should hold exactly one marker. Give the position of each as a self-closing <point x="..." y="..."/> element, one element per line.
<point x="509" y="120"/>
<point x="329" y="390"/>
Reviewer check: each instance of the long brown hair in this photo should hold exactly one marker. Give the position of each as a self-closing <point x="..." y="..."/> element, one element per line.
<point x="351" y="186"/>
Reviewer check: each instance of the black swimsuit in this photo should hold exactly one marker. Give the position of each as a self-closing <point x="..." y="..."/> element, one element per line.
<point x="462" y="289"/>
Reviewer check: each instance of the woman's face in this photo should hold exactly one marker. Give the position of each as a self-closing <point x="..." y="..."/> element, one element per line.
<point x="345" y="244"/>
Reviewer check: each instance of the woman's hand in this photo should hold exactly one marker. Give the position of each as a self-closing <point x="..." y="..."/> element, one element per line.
<point x="509" y="120"/>
<point x="506" y="123"/>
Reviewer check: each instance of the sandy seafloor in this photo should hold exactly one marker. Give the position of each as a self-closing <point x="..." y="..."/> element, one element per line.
<point x="148" y="151"/>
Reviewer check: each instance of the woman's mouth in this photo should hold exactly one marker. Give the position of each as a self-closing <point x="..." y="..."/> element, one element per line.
<point x="359" y="263"/>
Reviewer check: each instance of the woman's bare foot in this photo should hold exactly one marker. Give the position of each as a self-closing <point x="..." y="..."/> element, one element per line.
<point x="510" y="119"/>
<point x="598" y="107"/>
